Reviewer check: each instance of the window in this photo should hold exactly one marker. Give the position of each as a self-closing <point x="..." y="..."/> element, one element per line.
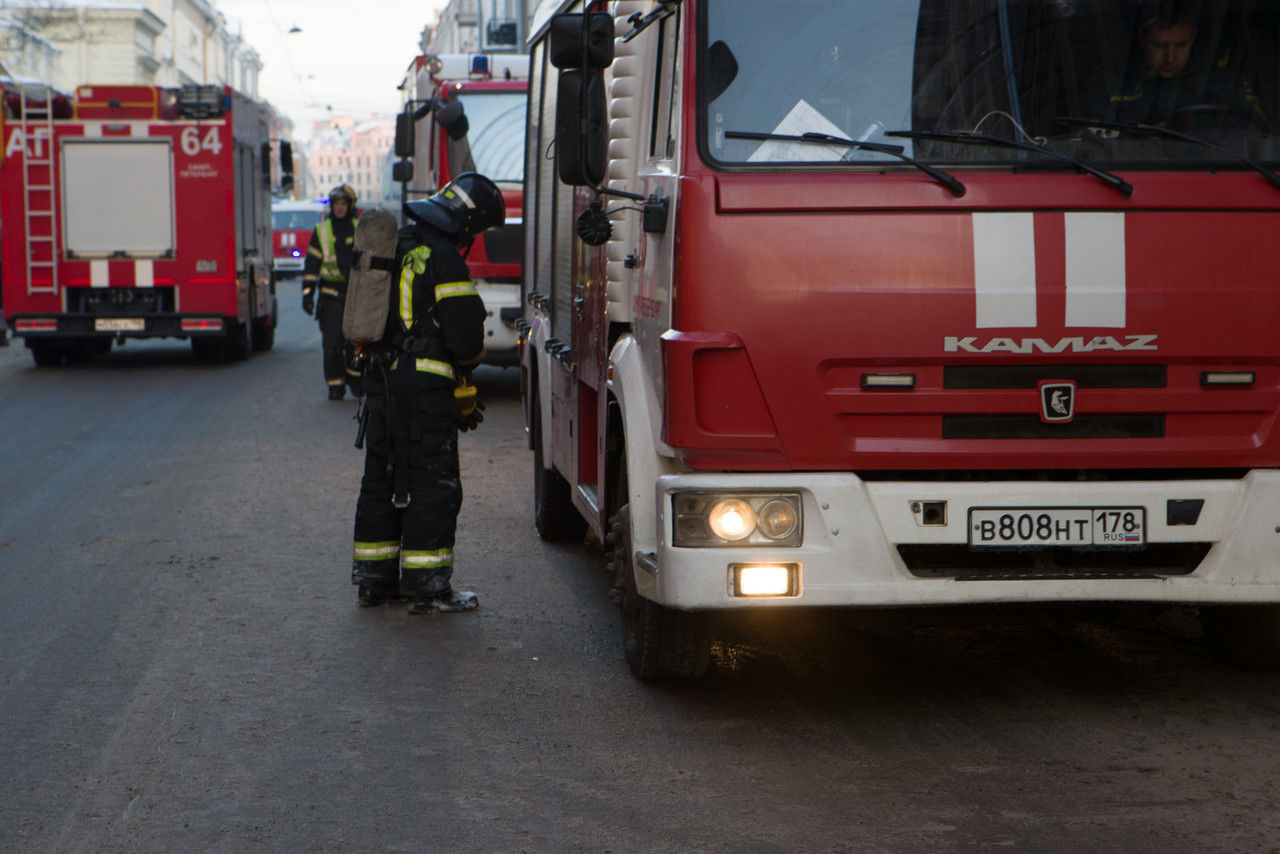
<point x="1006" y="68"/>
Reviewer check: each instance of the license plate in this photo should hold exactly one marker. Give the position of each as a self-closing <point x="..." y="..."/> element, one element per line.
<point x="1021" y="527"/>
<point x="120" y="324"/>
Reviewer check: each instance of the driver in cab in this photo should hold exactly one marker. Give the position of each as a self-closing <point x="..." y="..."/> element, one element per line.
<point x="1161" y="89"/>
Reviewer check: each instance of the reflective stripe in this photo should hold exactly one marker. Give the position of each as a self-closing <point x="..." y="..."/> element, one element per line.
<point x="454" y="289"/>
<point x="311" y="250"/>
<point x="329" y="270"/>
<point x="431" y="366"/>
<point x="406" y="296"/>
<point x="330" y="292"/>
<point x="427" y="559"/>
<point x="376" y="551"/>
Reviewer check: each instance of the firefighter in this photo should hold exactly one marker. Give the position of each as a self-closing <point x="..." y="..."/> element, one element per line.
<point x="418" y="397"/>
<point x="328" y="267"/>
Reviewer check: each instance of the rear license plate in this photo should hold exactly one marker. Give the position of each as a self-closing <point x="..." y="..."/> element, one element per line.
<point x="1021" y="527"/>
<point x="120" y="324"/>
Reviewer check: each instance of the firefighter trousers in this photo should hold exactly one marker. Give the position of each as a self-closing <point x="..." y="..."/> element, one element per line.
<point x="337" y="351"/>
<point x="411" y="545"/>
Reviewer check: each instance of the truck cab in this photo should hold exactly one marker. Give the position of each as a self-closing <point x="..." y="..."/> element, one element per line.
<point x="466" y="113"/>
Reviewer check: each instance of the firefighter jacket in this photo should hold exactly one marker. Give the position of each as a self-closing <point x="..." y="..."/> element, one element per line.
<point x="329" y="256"/>
<point x="435" y="325"/>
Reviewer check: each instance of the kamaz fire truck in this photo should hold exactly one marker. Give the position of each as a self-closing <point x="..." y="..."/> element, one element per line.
<point x="922" y="303"/>
<point x="136" y="212"/>
<point x="466" y="113"/>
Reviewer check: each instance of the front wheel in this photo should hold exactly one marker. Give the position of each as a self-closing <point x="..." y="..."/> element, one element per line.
<point x="658" y="642"/>
<point x="1245" y="636"/>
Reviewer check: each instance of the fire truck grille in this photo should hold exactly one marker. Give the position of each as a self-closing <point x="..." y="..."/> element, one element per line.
<point x="120" y="300"/>
<point x="1031" y="427"/>
<point x="1155" y="560"/>
<point x="1027" y="376"/>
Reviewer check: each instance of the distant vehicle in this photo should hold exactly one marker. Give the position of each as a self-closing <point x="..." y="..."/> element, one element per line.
<point x="466" y="113"/>
<point x="137" y="212"/>
<point x="292" y="223"/>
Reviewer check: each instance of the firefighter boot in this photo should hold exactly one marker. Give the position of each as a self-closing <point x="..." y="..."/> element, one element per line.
<point x="378" y="581"/>
<point x="447" y="602"/>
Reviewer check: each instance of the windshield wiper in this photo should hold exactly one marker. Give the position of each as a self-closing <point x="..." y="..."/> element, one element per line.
<point x="949" y="181"/>
<point x="1121" y="186"/>
<point x="1139" y="129"/>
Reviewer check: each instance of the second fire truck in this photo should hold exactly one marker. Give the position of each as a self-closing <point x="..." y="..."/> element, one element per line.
<point x="466" y="113"/>
<point x="136" y="212"/>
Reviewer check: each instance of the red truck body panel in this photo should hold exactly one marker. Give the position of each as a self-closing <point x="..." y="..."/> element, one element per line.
<point x="210" y="275"/>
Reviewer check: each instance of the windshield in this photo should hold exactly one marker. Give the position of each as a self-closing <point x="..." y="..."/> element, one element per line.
<point x="294" y="220"/>
<point x="496" y="133"/>
<point x="1014" y="69"/>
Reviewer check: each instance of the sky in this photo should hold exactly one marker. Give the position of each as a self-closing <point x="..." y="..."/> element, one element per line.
<point x="349" y="58"/>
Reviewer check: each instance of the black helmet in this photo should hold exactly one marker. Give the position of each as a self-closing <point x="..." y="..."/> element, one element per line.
<point x="463" y="208"/>
<point x="343" y="191"/>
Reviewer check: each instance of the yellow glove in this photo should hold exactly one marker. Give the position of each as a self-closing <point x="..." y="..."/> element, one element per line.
<point x="470" y="409"/>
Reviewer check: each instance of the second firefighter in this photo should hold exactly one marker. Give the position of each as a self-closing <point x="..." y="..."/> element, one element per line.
<point x="327" y="269"/>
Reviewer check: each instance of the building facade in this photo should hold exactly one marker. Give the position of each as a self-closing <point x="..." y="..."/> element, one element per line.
<point x="346" y="151"/>
<point x="149" y="42"/>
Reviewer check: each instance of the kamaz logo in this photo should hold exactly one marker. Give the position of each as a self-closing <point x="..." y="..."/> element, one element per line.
<point x="1076" y="344"/>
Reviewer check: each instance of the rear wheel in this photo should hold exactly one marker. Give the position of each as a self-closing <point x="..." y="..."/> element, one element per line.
<point x="238" y="343"/>
<point x="207" y="350"/>
<point x="658" y="642"/>
<point x="264" y="330"/>
<point x="1245" y="636"/>
<point x="47" y="354"/>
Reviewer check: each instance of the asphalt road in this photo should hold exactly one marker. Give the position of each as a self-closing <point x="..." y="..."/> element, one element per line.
<point x="184" y="668"/>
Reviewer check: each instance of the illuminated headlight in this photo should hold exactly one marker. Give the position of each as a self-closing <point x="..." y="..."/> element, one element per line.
<point x="767" y="579"/>
<point x="710" y="519"/>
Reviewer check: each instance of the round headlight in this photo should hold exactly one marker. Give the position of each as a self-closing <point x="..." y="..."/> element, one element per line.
<point x="777" y="519"/>
<point x="732" y="519"/>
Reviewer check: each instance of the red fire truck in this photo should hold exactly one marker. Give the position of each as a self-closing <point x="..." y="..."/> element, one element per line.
<point x="926" y="303"/>
<point x="137" y="212"/>
<point x="466" y="113"/>
<point x="292" y="224"/>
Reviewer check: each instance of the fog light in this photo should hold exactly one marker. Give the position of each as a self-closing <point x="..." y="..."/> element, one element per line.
<point x="777" y="519"/>
<point x="769" y="579"/>
<point x="732" y="519"/>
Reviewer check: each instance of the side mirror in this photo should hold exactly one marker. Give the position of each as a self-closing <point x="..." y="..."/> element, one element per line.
<point x="581" y="128"/>
<point x="402" y="171"/>
<point x="265" y="154"/>
<point x="404" y="135"/>
<point x="286" y="166"/>
<point x="582" y="41"/>
<point x="453" y="119"/>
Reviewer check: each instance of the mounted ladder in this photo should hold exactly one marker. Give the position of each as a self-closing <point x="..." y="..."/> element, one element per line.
<point x="38" y="197"/>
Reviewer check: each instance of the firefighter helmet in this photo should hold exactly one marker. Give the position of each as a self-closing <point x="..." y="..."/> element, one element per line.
<point x="343" y="191"/>
<point x="463" y="208"/>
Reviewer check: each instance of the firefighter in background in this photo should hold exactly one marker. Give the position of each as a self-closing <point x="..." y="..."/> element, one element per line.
<point x="327" y="269"/>
<point x="419" y="396"/>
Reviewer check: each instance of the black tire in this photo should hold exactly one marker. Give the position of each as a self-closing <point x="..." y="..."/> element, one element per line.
<point x="207" y="350"/>
<point x="1244" y="636"/>
<point x="658" y="642"/>
<point x="554" y="515"/>
<point x="264" y="328"/>
<point x="239" y="342"/>
<point x="47" y="354"/>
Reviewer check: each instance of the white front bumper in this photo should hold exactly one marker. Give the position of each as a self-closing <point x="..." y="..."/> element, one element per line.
<point x="852" y="530"/>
